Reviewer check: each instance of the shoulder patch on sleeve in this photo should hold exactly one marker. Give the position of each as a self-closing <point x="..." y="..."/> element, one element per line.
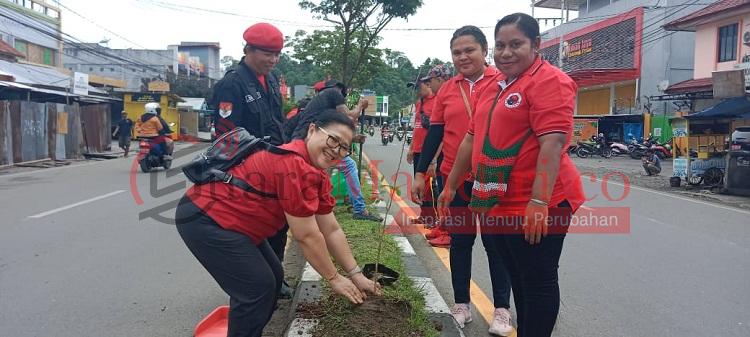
<point x="225" y="109"/>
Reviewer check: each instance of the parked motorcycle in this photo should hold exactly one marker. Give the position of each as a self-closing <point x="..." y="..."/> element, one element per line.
<point x="663" y="151"/>
<point x="152" y="153"/>
<point x="618" y="148"/>
<point x="588" y="149"/>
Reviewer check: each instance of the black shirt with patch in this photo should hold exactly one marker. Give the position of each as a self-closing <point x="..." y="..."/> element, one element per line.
<point x="239" y="100"/>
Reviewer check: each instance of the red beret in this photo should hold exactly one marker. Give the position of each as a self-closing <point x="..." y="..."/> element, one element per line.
<point x="264" y="36"/>
<point x="319" y="86"/>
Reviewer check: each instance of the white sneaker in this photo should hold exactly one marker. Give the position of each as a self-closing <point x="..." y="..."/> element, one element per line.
<point x="501" y="324"/>
<point x="461" y="313"/>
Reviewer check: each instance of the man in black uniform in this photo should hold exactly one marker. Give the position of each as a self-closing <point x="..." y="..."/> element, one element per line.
<point x="249" y="96"/>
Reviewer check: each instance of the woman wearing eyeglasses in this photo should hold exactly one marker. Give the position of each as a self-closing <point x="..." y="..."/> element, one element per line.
<point x="226" y="227"/>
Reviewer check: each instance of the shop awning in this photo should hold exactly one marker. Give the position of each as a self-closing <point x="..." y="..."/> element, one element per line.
<point x="691" y="86"/>
<point x="736" y="107"/>
<point x="590" y="77"/>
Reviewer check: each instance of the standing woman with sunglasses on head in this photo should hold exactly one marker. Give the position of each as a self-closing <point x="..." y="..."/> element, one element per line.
<point x="227" y="228"/>
<point x="516" y="150"/>
<point x="452" y="112"/>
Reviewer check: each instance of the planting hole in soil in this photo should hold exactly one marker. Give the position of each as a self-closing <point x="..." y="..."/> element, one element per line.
<point x="383" y="275"/>
<point x="376" y="317"/>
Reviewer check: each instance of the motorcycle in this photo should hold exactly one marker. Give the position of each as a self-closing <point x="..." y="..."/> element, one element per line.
<point x="371" y="130"/>
<point x="409" y="135"/>
<point x="400" y="135"/>
<point x="663" y="151"/>
<point x="385" y="136"/>
<point x="151" y="155"/>
<point x="586" y="149"/>
<point x="618" y="148"/>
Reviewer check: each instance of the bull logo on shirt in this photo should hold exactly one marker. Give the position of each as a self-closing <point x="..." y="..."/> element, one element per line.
<point x="513" y="100"/>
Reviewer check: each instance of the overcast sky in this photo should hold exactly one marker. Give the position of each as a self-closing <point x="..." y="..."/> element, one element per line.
<point x="154" y="24"/>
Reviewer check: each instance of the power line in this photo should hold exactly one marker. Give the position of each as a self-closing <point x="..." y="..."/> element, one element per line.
<point x="122" y="37"/>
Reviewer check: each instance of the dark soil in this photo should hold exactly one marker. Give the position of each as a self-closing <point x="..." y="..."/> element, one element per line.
<point x="377" y="317"/>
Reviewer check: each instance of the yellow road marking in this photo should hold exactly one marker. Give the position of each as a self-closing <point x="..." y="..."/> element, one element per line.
<point x="480" y="300"/>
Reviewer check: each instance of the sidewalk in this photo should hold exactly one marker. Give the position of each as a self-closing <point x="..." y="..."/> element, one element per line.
<point x="616" y="167"/>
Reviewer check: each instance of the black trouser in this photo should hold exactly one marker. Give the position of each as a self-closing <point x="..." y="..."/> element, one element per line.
<point x="533" y="274"/>
<point x="251" y="275"/>
<point x="462" y="243"/>
<point x="278" y="242"/>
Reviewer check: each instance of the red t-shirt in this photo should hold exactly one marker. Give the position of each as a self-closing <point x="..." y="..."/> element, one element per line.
<point x="262" y="80"/>
<point x="302" y="191"/>
<point x="419" y="132"/>
<point x="449" y="110"/>
<point x="542" y="100"/>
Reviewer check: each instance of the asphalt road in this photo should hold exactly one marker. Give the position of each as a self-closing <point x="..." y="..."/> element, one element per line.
<point x="680" y="269"/>
<point x="76" y="259"/>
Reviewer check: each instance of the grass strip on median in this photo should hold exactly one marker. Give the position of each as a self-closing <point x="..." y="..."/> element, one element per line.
<point x="399" y="312"/>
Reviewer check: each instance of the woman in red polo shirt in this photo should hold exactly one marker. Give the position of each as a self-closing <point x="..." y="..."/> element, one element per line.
<point x="515" y="149"/>
<point x="226" y="227"/>
<point x="452" y="111"/>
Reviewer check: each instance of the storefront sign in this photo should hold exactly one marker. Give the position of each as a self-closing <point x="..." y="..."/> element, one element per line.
<point x="145" y="98"/>
<point x="158" y="86"/>
<point x="578" y="48"/>
<point x="610" y="47"/>
<point x="679" y="167"/>
<point x="80" y="83"/>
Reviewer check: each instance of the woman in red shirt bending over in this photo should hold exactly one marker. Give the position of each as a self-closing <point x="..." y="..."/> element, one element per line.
<point x="523" y="176"/>
<point x="226" y="227"/>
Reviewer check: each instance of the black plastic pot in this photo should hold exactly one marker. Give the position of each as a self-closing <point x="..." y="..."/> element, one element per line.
<point x="674" y="181"/>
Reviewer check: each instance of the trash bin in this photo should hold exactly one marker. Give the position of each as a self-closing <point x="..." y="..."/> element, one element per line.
<point x="737" y="173"/>
<point x="338" y="180"/>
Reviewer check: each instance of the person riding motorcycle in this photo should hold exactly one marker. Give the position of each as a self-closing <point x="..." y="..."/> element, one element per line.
<point x="151" y="126"/>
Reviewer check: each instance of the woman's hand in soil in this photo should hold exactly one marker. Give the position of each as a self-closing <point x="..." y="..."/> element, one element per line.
<point x="366" y="285"/>
<point x="343" y="286"/>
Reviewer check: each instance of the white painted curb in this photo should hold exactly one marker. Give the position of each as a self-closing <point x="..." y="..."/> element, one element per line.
<point x="302" y="327"/>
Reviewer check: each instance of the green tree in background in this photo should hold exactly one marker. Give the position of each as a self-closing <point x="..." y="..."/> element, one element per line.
<point x="359" y="23"/>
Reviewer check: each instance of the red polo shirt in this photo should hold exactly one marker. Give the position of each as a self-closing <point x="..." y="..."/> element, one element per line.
<point x="419" y="132"/>
<point x="450" y="110"/>
<point x="302" y="191"/>
<point x="542" y="100"/>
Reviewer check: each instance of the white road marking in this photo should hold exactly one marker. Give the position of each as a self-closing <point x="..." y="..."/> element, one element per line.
<point x="675" y="196"/>
<point x="56" y="210"/>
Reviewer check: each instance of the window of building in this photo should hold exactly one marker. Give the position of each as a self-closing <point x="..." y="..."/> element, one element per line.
<point x="53" y="13"/>
<point x="48" y="56"/>
<point x="728" y="43"/>
<point x="22" y="46"/>
<point x="112" y="69"/>
<point x="91" y="68"/>
<point x="39" y="8"/>
<point x="27" y="4"/>
<point x="101" y="69"/>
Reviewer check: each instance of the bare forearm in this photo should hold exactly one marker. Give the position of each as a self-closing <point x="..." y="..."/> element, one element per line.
<point x="315" y="251"/>
<point x="339" y="248"/>
<point x="462" y="164"/>
<point x="547" y="168"/>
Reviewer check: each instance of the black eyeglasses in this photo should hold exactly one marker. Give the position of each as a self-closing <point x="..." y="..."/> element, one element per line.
<point x="334" y="143"/>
